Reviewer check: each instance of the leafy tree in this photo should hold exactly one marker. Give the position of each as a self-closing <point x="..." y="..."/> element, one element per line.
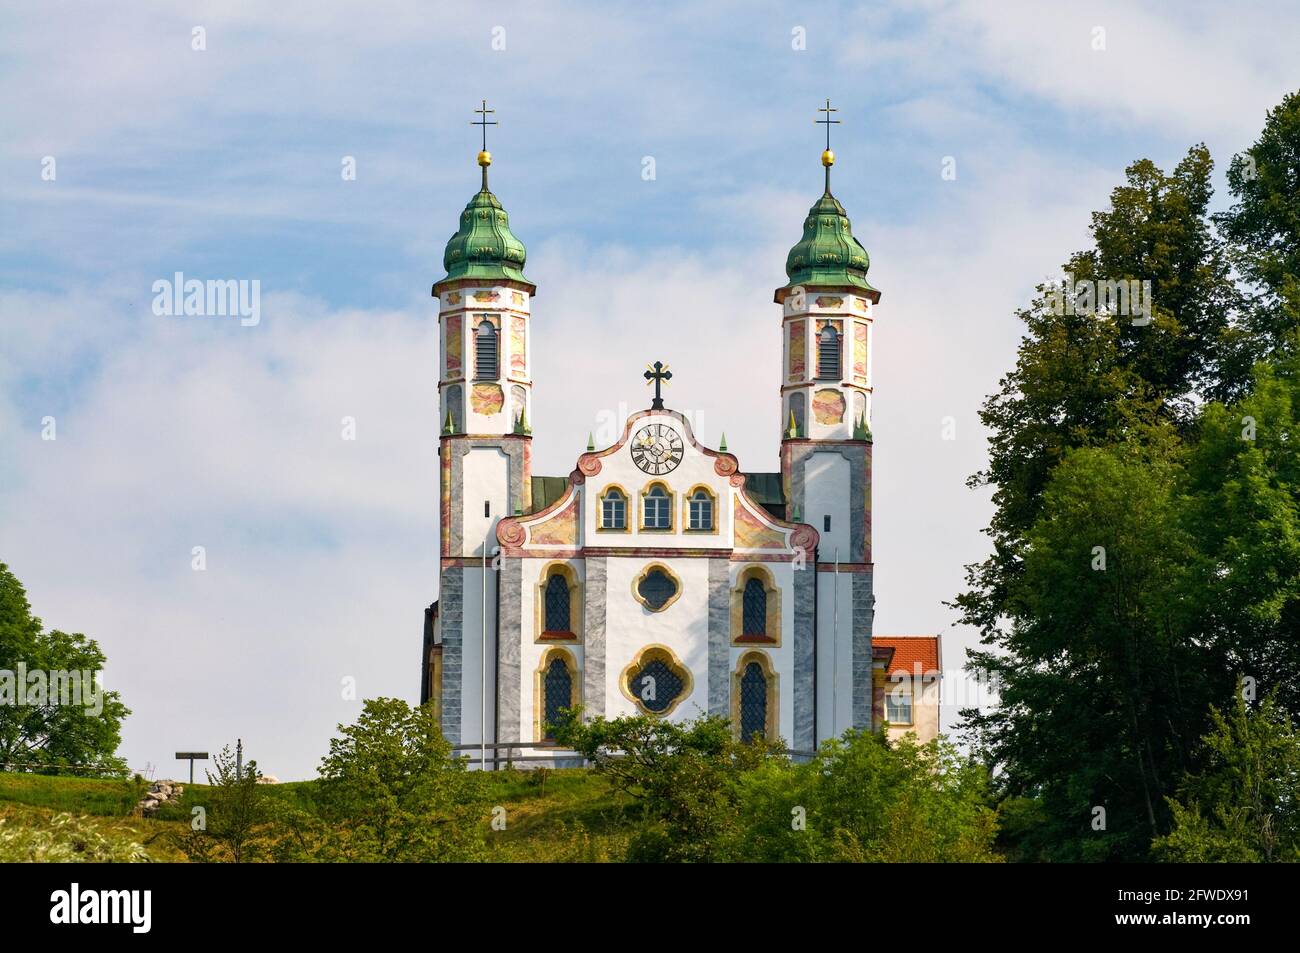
<point x="1264" y="222"/>
<point x="1083" y="380"/>
<point x="684" y="775"/>
<point x="390" y="790"/>
<point x="1242" y="491"/>
<point x="1102" y="687"/>
<point x="47" y="736"/>
<point x="867" y="799"/>
<point x="1102" y="436"/>
<point x="1244" y="804"/>
<point x="236" y="821"/>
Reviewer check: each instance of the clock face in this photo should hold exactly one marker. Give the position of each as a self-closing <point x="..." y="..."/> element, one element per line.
<point x="656" y="449"/>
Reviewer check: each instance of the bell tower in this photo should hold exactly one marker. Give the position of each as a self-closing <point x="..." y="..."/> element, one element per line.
<point x="827" y="310"/>
<point x="485" y="403"/>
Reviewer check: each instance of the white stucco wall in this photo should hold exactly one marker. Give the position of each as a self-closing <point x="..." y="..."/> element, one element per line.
<point x="827" y="481"/>
<point x="683" y="627"/>
<point x="834" y="654"/>
<point x="476" y="624"/>
<point x="486" y="479"/>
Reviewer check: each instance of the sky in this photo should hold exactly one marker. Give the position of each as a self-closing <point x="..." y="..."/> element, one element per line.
<point x="128" y="155"/>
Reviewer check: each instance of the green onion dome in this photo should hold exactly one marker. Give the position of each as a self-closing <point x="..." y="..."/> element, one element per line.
<point x="484" y="246"/>
<point x="828" y="256"/>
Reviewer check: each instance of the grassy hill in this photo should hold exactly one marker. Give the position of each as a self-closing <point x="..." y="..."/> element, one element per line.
<point x="570" y="815"/>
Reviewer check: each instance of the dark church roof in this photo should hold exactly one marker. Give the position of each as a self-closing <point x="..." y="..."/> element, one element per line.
<point x="766" y="488"/>
<point x="546" y="490"/>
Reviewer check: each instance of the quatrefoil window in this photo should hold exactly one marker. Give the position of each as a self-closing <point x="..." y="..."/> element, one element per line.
<point x="656" y="681"/>
<point x="656" y="588"/>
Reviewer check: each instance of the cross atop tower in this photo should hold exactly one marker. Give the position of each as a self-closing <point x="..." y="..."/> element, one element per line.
<point x="828" y="157"/>
<point x="484" y="112"/>
<point x="484" y="157"/>
<point x="827" y="122"/>
<point x="658" y="373"/>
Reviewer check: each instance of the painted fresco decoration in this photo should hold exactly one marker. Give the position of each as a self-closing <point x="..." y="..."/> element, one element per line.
<point x="454" y="346"/>
<point x="487" y="399"/>
<point x="561" y="529"/>
<point x="798" y="350"/>
<point x="518" y="346"/>
<point x="828" y="406"/>
<point x="753" y="533"/>
<point x="859" y="352"/>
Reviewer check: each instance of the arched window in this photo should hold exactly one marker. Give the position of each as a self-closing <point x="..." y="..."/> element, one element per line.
<point x="796" y="420"/>
<point x="613" y="510"/>
<point x="754" y="698"/>
<point x="700" y="517"/>
<point x="657" y="508"/>
<point x="828" y="353"/>
<point x="755" y="607"/>
<point x="485" y="350"/>
<point x="753" y="703"/>
<point x="557" y="604"/>
<point x="555" y="682"/>
<point x="454" y="415"/>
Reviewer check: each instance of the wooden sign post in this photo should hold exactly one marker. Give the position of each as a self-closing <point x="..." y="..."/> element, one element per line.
<point x="191" y="757"/>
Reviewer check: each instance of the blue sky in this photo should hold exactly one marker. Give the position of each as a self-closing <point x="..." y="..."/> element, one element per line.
<point x="225" y="163"/>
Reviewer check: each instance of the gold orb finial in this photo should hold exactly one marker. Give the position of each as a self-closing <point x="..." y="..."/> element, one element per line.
<point x="485" y="158"/>
<point x="828" y="158"/>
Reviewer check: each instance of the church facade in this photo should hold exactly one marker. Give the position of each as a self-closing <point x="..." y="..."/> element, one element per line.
<point x="659" y="576"/>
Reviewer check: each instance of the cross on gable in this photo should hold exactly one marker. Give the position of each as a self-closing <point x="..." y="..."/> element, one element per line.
<point x="657" y="373"/>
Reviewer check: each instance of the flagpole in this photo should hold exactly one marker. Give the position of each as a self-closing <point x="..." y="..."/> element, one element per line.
<point x="835" y="647"/>
<point x="482" y="693"/>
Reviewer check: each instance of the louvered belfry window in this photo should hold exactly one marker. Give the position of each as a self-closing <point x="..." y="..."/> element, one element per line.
<point x="485" y="350"/>
<point x="828" y="354"/>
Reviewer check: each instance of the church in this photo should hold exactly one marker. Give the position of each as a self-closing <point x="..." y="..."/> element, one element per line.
<point x="660" y="577"/>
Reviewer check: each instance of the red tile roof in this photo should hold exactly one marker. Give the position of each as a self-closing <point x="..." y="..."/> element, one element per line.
<point x="912" y="653"/>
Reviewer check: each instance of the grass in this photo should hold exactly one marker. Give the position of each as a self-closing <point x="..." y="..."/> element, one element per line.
<point x="549" y="815"/>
